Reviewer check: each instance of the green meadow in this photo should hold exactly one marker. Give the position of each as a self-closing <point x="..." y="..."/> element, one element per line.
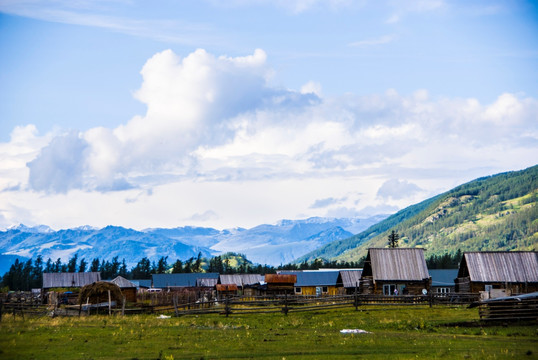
<point x="395" y="333"/>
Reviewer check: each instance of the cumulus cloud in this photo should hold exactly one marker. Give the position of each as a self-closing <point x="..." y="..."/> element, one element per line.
<point x="60" y="165"/>
<point x="214" y="118"/>
<point x="397" y="189"/>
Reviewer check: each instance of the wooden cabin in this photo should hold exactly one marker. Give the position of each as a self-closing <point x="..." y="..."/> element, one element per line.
<point x="316" y="283"/>
<point x="277" y="284"/>
<point x="500" y="272"/>
<point x="246" y="284"/>
<point x="127" y="287"/>
<point x="351" y="280"/>
<point x="224" y="290"/>
<point x="395" y="271"/>
<point x="443" y="280"/>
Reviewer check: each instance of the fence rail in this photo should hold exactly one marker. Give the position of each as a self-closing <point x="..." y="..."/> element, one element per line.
<point x="245" y="305"/>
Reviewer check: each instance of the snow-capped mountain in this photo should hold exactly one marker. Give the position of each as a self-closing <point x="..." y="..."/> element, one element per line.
<point x="265" y="244"/>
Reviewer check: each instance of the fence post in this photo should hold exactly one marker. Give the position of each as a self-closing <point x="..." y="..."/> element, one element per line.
<point x="356" y="298"/>
<point x="1" y="308"/>
<point x="123" y="306"/>
<point x="227" y="307"/>
<point x="109" y="303"/>
<point x="175" y="305"/>
<point x="285" y="308"/>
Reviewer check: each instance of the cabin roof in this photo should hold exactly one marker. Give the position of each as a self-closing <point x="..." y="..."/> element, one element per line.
<point x="63" y="280"/>
<point x="500" y="266"/>
<point x="280" y="278"/>
<point x="404" y="264"/>
<point x="351" y="278"/>
<point x="241" y="279"/>
<point x="181" y="280"/>
<point x="314" y="278"/>
<point x="123" y="283"/>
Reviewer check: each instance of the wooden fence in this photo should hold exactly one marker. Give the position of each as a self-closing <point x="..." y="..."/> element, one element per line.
<point x="179" y="304"/>
<point x="509" y="310"/>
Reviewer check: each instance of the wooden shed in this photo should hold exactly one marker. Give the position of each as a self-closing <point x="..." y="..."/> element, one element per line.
<point x="395" y="271"/>
<point x="246" y="284"/>
<point x="280" y="284"/>
<point x="351" y="280"/>
<point x="226" y="290"/>
<point x="128" y="288"/>
<point x="502" y="272"/>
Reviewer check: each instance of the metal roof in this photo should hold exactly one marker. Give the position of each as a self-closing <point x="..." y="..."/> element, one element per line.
<point x="405" y="264"/>
<point x="62" y="280"/>
<point x="142" y="283"/>
<point x="443" y="277"/>
<point x="206" y="282"/>
<point x="314" y="278"/>
<point x="350" y="278"/>
<point x="501" y="266"/>
<point x="241" y="279"/>
<point x="180" y="280"/>
<point x="123" y="282"/>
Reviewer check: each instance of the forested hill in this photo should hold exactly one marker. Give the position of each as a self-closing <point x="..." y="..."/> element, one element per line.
<point x="498" y="212"/>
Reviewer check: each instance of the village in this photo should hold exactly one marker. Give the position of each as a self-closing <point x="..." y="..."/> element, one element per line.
<point x="389" y="276"/>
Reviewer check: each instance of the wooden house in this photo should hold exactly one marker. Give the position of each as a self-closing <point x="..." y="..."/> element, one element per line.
<point x="443" y="280"/>
<point x="184" y="281"/>
<point x="127" y="287"/>
<point x="224" y="290"/>
<point x="316" y="283"/>
<point x="69" y="280"/>
<point x="351" y="280"/>
<point x="395" y="271"/>
<point x="502" y="272"/>
<point x="246" y="284"/>
<point x="280" y="284"/>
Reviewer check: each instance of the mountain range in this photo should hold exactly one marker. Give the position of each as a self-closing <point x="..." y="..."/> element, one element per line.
<point x="498" y="212"/>
<point x="265" y="244"/>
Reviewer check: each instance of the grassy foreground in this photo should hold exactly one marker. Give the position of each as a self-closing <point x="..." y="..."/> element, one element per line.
<point x="396" y="333"/>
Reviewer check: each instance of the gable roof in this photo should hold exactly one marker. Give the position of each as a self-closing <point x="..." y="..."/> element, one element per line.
<point x="443" y="277"/>
<point x="123" y="283"/>
<point x="142" y="283"/>
<point x="63" y="280"/>
<point x="180" y="280"/>
<point x="314" y="278"/>
<point x="500" y="266"/>
<point x="351" y="278"/>
<point x="241" y="279"/>
<point x="405" y="264"/>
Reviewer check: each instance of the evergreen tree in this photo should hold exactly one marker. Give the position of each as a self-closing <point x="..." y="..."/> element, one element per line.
<point x="82" y="266"/>
<point x="393" y="239"/>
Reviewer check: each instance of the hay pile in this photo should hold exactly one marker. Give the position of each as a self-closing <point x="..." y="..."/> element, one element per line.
<point x="98" y="293"/>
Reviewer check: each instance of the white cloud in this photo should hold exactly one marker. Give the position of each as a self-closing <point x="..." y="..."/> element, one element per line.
<point x="397" y="189"/>
<point x="215" y="132"/>
<point x="385" y="39"/>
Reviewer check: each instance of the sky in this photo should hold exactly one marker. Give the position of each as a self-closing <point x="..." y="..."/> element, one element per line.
<point x="235" y="113"/>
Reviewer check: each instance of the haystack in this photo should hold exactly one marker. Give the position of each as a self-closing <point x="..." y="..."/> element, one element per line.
<point x="97" y="292"/>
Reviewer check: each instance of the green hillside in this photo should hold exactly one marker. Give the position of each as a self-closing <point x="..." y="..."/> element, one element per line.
<point x="498" y="212"/>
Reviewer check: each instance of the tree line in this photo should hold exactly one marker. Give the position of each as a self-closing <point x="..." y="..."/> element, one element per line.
<point x="27" y="275"/>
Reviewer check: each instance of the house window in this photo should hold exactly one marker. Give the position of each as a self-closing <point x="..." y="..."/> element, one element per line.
<point x="388" y="289"/>
<point x="443" y="290"/>
<point x="488" y="287"/>
<point x="325" y="289"/>
<point x="298" y="290"/>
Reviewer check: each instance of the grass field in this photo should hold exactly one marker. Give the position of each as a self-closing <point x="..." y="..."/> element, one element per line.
<point x="396" y="333"/>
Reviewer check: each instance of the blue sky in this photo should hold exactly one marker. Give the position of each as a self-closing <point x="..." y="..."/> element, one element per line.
<point x="241" y="112"/>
